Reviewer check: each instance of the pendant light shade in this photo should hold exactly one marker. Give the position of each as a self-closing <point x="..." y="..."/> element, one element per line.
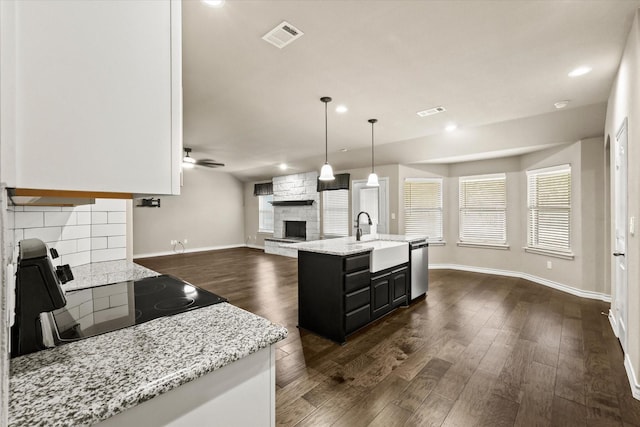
<point x="326" y="173"/>
<point x="373" y="178"/>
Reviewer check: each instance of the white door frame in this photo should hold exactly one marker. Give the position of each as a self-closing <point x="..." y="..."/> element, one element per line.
<point x="620" y="237"/>
<point x="383" y="202"/>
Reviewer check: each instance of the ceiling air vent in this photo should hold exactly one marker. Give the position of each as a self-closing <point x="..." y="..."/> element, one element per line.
<point x="431" y="111"/>
<point x="282" y="35"/>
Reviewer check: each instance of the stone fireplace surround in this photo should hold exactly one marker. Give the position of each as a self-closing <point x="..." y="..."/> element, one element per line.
<point x="302" y="186"/>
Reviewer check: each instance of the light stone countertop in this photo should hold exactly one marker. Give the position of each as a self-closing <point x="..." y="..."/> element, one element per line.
<point x="343" y="246"/>
<point x="102" y="273"/>
<point x="90" y="380"/>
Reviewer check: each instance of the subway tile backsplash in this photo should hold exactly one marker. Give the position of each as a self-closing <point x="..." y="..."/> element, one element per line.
<point x="81" y="234"/>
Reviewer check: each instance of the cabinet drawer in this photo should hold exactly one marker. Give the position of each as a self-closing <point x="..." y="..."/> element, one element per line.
<point x="356" y="299"/>
<point x="357" y="280"/>
<point x="357" y="262"/>
<point x="357" y="318"/>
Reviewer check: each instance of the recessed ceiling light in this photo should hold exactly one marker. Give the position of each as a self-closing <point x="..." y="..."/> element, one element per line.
<point x="341" y="109"/>
<point x="561" y="104"/>
<point x="580" y="71"/>
<point x="451" y="127"/>
<point x="214" y="3"/>
<point x="283" y="166"/>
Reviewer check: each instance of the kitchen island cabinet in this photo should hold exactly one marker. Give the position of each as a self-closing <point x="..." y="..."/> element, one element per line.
<point x="92" y="97"/>
<point x="340" y="292"/>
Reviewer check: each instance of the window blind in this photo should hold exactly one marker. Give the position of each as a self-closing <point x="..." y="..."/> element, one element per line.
<point x="263" y="189"/>
<point x="265" y="213"/>
<point x="335" y="213"/>
<point x="423" y="208"/>
<point x="549" y="208"/>
<point x="483" y="209"/>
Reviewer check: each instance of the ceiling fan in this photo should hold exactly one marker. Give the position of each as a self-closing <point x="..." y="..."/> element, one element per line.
<point x="189" y="162"/>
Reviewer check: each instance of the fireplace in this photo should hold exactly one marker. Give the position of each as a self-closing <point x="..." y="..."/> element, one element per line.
<point x="295" y="230"/>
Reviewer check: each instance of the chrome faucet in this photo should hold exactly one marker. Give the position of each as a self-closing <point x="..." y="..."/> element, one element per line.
<point x="358" y="229"/>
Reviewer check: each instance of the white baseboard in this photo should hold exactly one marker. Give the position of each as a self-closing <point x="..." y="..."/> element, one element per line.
<point x="254" y="246"/>
<point x="191" y="250"/>
<point x="546" y="282"/>
<point x="631" y="374"/>
<point x="614" y="323"/>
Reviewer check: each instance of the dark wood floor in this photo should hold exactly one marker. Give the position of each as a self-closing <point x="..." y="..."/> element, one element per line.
<point x="480" y="350"/>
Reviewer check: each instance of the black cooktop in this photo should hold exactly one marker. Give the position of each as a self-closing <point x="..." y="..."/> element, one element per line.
<point x="100" y="309"/>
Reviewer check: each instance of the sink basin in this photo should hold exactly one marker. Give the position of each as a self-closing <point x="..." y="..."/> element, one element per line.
<point x="386" y="254"/>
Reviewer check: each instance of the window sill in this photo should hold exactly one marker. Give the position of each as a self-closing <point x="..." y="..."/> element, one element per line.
<point x="265" y="231"/>
<point x="438" y="243"/>
<point x="499" y="246"/>
<point x="551" y="253"/>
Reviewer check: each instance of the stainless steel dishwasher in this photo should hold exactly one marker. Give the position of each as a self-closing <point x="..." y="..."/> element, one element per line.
<point x="419" y="269"/>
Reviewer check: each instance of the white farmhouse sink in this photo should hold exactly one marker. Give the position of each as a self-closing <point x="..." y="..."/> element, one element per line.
<point x="387" y="254"/>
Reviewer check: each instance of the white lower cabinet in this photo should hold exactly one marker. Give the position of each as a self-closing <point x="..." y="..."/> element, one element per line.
<point x="239" y="394"/>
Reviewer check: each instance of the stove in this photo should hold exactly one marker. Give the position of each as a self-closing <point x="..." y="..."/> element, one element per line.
<point x="97" y="310"/>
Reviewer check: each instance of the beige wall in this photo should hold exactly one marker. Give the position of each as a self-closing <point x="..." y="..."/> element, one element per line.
<point x="208" y="212"/>
<point x="624" y="102"/>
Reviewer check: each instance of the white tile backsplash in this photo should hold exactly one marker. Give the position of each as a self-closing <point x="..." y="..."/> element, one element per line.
<point x="81" y="234"/>
<point x="98" y="230"/>
<point x="29" y="219"/>
<point x="52" y="219"/>
<point x="47" y="235"/>
<point x="99" y="218"/>
<point x="83" y="218"/>
<point x="76" y="232"/>
<point x="117" y="241"/>
<point x="117" y="218"/>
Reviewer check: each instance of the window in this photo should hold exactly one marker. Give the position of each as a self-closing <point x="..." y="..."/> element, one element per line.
<point x="549" y="209"/>
<point x="335" y="213"/>
<point x="423" y="208"/>
<point x="483" y="209"/>
<point x="265" y="213"/>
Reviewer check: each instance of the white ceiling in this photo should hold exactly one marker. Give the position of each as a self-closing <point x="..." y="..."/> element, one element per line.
<point x="496" y="66"/>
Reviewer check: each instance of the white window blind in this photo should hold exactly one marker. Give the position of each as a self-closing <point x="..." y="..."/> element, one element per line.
<point x="423" y="208"/>
<point x="335" y="213"/>
<point x="549" y="206"/>
<point x="265" y="213"/>
<point x="483" y="209"/>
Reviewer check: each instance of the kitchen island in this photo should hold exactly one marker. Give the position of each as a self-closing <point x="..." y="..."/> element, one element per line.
<point x="344" y="284"/>
<point x="183" y="369"/>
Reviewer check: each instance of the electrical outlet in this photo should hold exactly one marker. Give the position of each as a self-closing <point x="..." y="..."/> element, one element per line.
<point x="186" y="241"/>
<point x="549" y="265"/>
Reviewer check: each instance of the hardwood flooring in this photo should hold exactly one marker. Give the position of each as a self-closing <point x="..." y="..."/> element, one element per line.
<point x="480" y="350"/>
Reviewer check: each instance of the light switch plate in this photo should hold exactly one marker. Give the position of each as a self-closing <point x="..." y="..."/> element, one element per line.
<point x="632" y="225"/>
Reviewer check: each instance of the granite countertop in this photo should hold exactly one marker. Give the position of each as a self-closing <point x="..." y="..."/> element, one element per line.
<point x="102" y="273"/>
<point x="344" y="246"/>
<point x="90" y="380"/>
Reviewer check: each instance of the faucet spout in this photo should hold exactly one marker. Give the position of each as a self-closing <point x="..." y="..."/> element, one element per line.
<point x="358" y="229"/>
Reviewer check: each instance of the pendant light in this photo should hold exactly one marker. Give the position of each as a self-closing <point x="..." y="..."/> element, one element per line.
<point x="373" y="178"/>
<point x="326" y="173"/>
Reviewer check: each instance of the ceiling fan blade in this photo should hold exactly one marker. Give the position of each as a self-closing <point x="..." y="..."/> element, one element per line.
<point x="209" y="163"/>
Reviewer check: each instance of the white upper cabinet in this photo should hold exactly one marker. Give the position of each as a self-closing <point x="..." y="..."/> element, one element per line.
<point x="94" y="95"/>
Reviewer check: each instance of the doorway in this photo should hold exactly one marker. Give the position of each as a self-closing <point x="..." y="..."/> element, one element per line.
<point x="374" y="201"/>
<point x="620" y="227"/>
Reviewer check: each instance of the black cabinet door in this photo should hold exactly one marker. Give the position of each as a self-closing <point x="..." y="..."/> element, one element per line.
<point x="380" y="295"/>
<point x="399" y="286"/>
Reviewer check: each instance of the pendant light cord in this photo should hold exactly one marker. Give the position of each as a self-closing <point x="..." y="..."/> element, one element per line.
<point x="372" y="162"/>
<point x="326" y="135"/>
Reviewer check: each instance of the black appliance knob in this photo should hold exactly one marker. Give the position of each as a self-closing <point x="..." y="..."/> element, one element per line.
<point x="64" y="273"/>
